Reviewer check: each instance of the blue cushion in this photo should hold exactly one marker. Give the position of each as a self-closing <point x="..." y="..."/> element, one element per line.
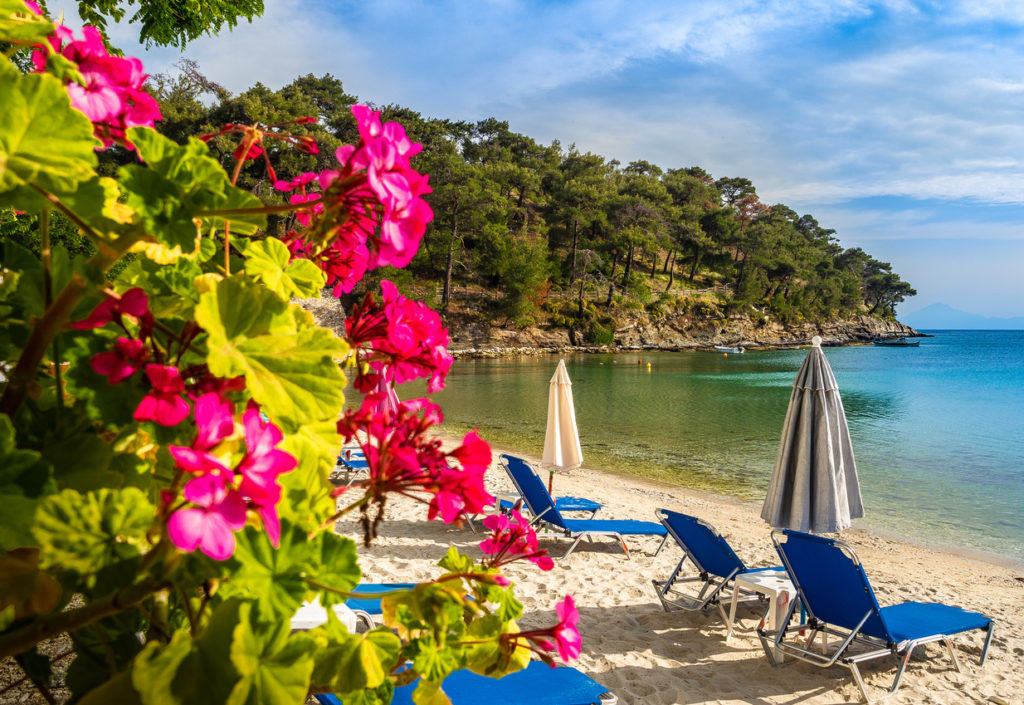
<point x="564" y="504"/>
<point x="915" y="620"/>
<point x="537" y="684"/>
<point x="619" y="526"/>
<point x="372" y="605"/>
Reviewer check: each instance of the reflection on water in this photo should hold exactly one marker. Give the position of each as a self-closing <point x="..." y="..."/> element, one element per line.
<point x="935" y="429"/>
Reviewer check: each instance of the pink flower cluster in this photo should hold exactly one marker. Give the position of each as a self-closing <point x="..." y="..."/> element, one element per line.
<point x="164" y="404"/>
<point x="402" y="340"/>
<point x="111" y="93"/>
<point x="401" y="458"/>
<point x="512" y="539"/>
<point x="372" y="205"/>
<point x="221" y="496"/>
<point x="564" y="637"/>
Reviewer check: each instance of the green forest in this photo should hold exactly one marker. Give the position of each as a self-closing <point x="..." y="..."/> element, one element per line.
<point x="525" y="232"/>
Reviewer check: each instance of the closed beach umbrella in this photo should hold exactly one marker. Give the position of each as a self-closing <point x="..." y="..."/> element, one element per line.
<point x="814" y="485"/>
<point x="561" y="441"/>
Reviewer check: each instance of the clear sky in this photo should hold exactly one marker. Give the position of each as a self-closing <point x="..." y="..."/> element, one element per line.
<point x="898" y="124"/>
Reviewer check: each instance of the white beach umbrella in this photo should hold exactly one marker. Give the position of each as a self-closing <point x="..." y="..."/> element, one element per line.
<point x="561" y="441"/>
<point x="814" y="484"/>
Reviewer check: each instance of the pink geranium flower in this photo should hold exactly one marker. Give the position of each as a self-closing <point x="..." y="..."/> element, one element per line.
<point x="512" y="539"/>
<point x="212" y="525"/>
<point x="163" y="404"/>
<point x="133" y="303"/>
<point x="564" y="637"/>
<point x="403" y="459"/>
<point x="402" y="339"/>
<point x="122" y="362"/>
<point x="111" y="93"/>
<point x="373" y="203"/>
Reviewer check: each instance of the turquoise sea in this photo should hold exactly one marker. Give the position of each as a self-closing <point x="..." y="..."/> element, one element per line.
<point x="938" y="430"/>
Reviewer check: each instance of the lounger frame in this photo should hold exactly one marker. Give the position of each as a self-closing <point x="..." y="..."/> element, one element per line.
<point x="812" y="627"/>
<point x="711" y="585"/>
<point x="542" y="506"/>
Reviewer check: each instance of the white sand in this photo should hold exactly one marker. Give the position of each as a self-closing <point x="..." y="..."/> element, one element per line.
<point x="646" y="655"/>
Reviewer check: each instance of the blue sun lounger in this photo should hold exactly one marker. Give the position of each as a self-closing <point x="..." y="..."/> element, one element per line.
<point x="562" y="504"/>
<point x="537" y="684"/>
<point x="713" y="559"/>
<point x="838" y="600"/>
<point x="366" y="608"/>
<point x="542" y="506"/>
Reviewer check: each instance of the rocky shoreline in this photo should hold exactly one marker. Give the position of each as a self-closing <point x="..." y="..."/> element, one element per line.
<point x="637" y="330"/>
<point x="471" y="339"/>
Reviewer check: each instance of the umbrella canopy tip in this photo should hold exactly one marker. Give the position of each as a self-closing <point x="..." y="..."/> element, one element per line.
<point x="816" y="341"/>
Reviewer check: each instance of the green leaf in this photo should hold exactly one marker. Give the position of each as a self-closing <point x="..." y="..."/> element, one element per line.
<point x="487" y="657"/>
<point x="22" y="472"/>
<point x="335" y="563"/>
<point x="25" y="478"/>
<point x="306" y="491"/>
<point x="433" y="661"/>
<point x="274" y="575"/>
<point x="191" y="181"/>
<point x="89" y="532"/>
<point x="187" y="672"/>
<point x="363" y="660"/>
<point x="454" y="562"/>
<point x="43" y="140"/>
<point x="429" y="693"/>
<point x="288" y="361"/>
<point x="267" y="261"/>
<point x="273" y="666"/>
<point x="18" y="23"/>
<point x="81" y="462"/>
<point x="23" y="586"/>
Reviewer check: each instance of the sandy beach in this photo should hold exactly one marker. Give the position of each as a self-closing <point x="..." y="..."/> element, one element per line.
<point x="646" y="655"/>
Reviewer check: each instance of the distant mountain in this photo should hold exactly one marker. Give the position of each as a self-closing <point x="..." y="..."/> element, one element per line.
<point x="940" y="316"/>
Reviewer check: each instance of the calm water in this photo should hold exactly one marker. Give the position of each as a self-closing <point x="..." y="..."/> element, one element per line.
<point x="937" y="430"/>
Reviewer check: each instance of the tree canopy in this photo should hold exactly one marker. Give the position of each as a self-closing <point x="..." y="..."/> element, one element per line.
<point x="512" y="217"/>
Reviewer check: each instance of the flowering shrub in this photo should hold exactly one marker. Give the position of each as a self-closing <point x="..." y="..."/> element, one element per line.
<point x="166" y="437"/>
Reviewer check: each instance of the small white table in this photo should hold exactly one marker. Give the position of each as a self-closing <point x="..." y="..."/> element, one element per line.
<point x="311" y="615"/>
<point x="776" y="585"/>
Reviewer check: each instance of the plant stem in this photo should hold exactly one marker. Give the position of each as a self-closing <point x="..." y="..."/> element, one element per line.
<point x="17" y="640"/>
<point x="259" y="210"/>
<point x="53" y="319"/>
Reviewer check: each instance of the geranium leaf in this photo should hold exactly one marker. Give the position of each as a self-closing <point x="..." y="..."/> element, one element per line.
<point x="276" y="576"/>
<point x="335" y="563"/>
<point x="43" y="140"/>
<point x="17" y="22"/>
<point x="22" y="585"/>
<point x="268" y="261"/>
<point x="274" y="667"/>
<point x="288" y="362"/>
<point x="92" y="531"/>
<point x="187" y="672"/>
<point x="364" y="660"/>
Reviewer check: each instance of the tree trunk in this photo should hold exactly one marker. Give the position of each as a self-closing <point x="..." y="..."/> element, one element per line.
<point x="671" y="272"/>
<point x="671" y="256"/>
<point x="575" y="243"/>
<point x="654" y="263"/>
<point x="696" y="261"/>
<point x="743" y="269"/>
<point x="629" y="266"/>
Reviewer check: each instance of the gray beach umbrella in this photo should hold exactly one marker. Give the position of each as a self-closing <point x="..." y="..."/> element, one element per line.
<point x="814" y="485"/>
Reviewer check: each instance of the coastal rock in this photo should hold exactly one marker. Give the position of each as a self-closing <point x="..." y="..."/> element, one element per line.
<point x="637" y="331"/>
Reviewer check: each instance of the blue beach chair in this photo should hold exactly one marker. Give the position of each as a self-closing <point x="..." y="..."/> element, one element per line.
<point x="838" y="600"/>
<point x="562" y="504"/>
<point x="543" y="508"/>
<point x="713" y="559"/>
<point x="366" y="608"/>
<point x="537" y="684"/>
